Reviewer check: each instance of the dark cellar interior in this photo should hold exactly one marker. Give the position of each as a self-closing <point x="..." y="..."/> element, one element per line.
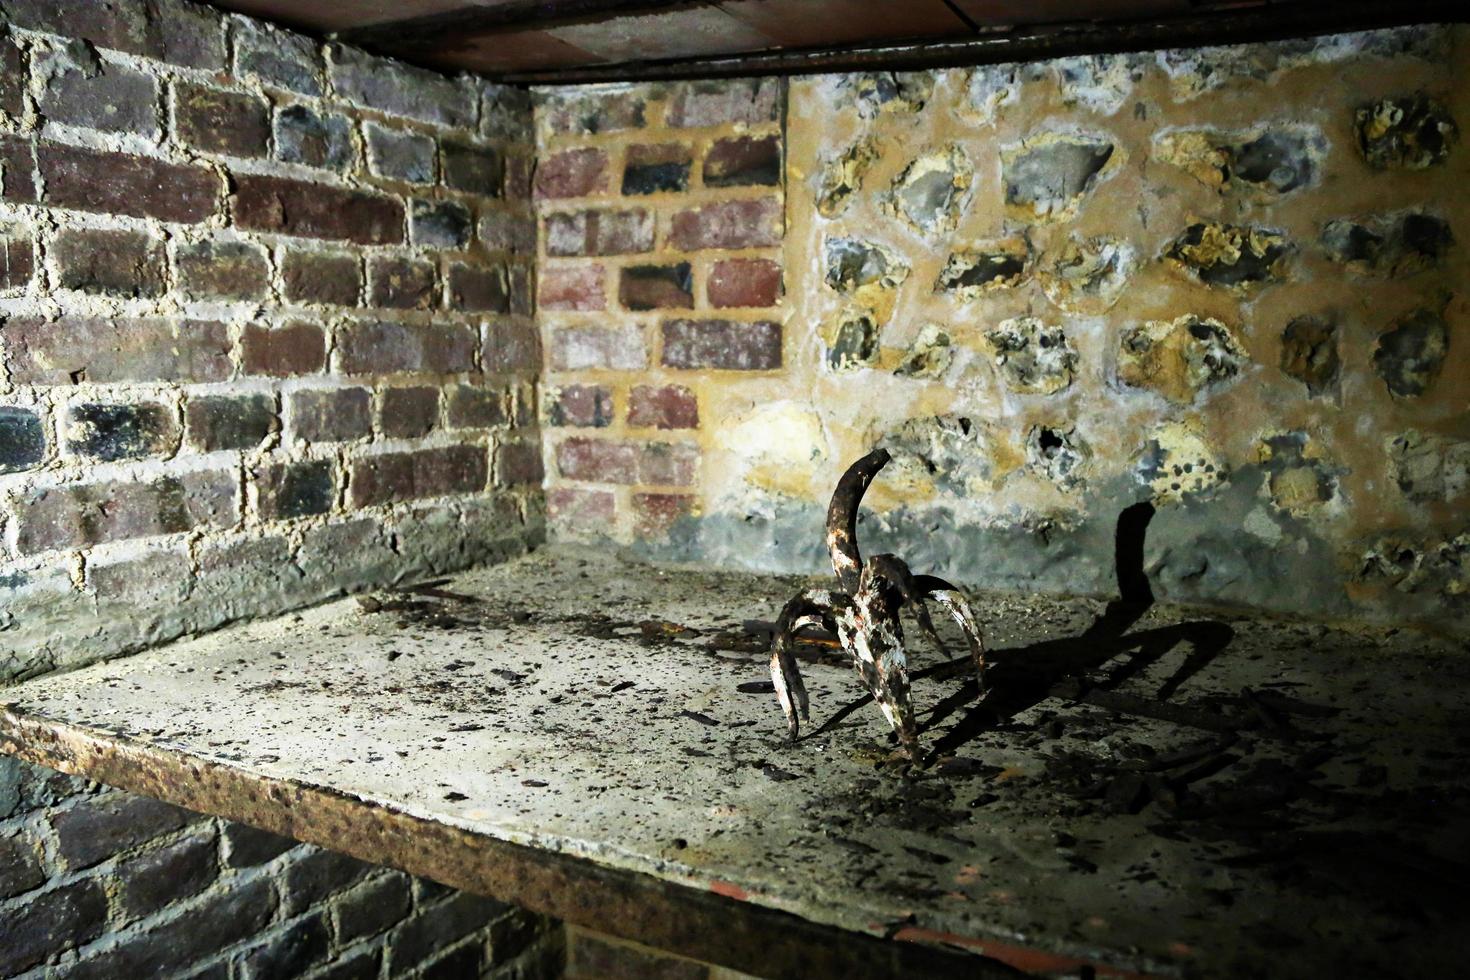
<point x="718" y="489"/>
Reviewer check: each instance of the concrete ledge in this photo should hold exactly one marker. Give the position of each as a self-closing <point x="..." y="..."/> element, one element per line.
<point x="590" y="739"/>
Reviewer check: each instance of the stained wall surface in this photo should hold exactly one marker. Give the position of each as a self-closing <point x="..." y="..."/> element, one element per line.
<point x="265" y="329"/>
<point x="1228" y="281"/>
<point x="265" y="338"/>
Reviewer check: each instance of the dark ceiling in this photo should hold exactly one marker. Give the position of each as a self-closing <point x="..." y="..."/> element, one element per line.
<point x="587" y="40"/>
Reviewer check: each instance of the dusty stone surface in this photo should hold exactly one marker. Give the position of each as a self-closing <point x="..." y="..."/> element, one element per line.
<point x="1145" y="790"/>
<point x="1179" y="358"/>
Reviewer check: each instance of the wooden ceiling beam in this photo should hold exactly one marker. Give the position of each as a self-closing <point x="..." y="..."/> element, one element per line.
<point x="1030" y="43"/>
<point x="434" y="31"/>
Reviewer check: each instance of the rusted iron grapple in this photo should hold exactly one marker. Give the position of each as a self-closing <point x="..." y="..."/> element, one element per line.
<point x="864" y="615"/>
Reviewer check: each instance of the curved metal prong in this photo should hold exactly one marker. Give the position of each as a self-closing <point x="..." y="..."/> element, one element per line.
<point x="847" y="561"/>
<point x="895" y="571"/>
<point x="949" y="596"/>
<point x="812" y="608"/>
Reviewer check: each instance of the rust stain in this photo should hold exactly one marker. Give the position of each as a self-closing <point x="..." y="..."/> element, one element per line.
<point x="1023" y="958"/>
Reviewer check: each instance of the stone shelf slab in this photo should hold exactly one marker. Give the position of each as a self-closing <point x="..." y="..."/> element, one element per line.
<point x="1144" y="793"/>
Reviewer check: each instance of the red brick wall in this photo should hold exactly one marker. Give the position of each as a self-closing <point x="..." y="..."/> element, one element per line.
<point x="265" y="324"/>
<point x="265" y="336"/>
<point x="660" y="283"/>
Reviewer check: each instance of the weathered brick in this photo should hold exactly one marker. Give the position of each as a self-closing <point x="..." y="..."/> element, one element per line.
<point x="106" y="350"/>
<point x="99" y="828"/>
<point x="401" y="90"/>
<point x="655" y="513"/>
<point x="473" y="407"/>
<point x="402" y="283"/>
<point x="511" y="345"/>
<point x="522" y="277"/>
<point x="716" y="103"/>
<point x="520" y="170"/>
<point x="117" y="183"/>
<point x="744" y="282"/>
<point x="22" y="439"/>
<point x="585" y="510"/>
<point x="391" y="477"/>
<point x="466" y="960"/>
<point x="169" y="30"/>
<point x="440" y="224"/>
<point x="583" y="348"/>
<point x="215" y="422"/>
<point x="316" y="277"/>
<point x="478" y="288"/>
<point x="108" y="432"/>
<point x="121" y="25"/>
<point x="580" y="406"/>
<point x="76" y="516"/>
<point x="329" y="415"/>
<point x="81" y="89"/>
<point x="247" y="847"/>
<point x="599" y="232"/>
<point x="526" y="399"/>
<point x="360" y="965"/>
<point x="663" y="407"/>
<point x="400" y="154"/>
<point x="287" y="490"/>
<point x="572" y="173"/>
<point x="594" y="956"/>
<point x="381" y="347"/>
<point x="17" y="259"/>
<point x="598" y="460"/>
<point x="408" y="413"/>
<point x="111" y="262"/>
<point x="13" y="74"/>
<point x="654" y="168"/>
<point x="216" y="270"/>
<point x="506" y="231"/>
<point x="227" y="916"/>
<point x="159" y="576"/>
<point x="17" y="169"/>
<point x="476" y="169"/>
<point x="211" y="120"/>
<point x="725" y="345"/>
<point x="372" y="907"/>
<point x="314" y="139"/>
<point x="291" y="952"/>
<point x="170" y="873"/>
<point x="505" y="112"/>
<point x="518" y="464"/>
<point x="307" y="210"/>
<point x="572" y="287"/>
<point x="669" y="463"/>
<point x="20" y="865"/>
<point x="277" y="57"/>
<point x="656" y="287"/>
<point x="593" y="112"/>
<point x="743" y="161"/>
<point x="49" y="923"/>
<point x="437" y="928"/>
<point x="293" y="349"/>
<point x="728" y="224"/>
<point x="188" y="34"/>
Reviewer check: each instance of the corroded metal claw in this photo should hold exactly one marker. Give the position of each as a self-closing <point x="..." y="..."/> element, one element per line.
<point x="865" y="615"/>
